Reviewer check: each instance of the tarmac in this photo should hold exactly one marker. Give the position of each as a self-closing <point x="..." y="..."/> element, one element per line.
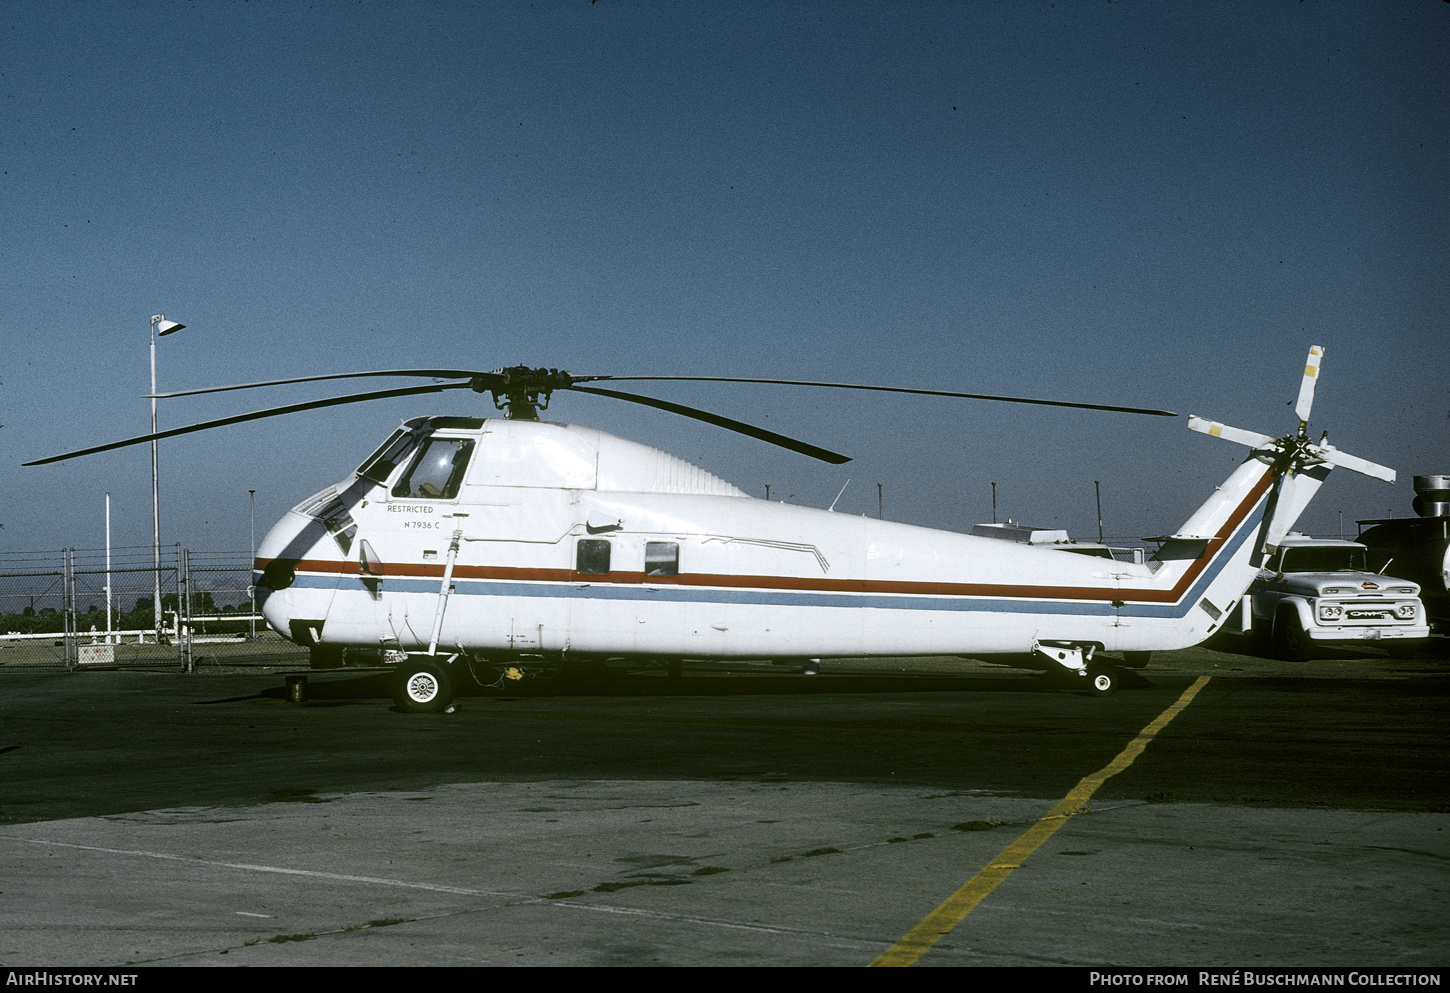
<point x="1290" y="814"/>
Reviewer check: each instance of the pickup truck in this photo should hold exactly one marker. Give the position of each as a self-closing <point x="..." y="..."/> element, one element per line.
<point x="1318" y="591"/>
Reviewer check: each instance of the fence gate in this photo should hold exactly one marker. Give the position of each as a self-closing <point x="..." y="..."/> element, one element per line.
<point x="93" y="608"/>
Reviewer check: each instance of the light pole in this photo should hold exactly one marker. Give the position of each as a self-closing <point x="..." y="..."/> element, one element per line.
<point x="159" y="326"/>
<point x="109" y="639"/>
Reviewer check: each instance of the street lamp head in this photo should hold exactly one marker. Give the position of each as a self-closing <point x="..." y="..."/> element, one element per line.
<point x="165" y="327"/>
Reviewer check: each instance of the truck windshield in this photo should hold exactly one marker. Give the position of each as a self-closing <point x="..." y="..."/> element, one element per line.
<point x="1330" y="559"/>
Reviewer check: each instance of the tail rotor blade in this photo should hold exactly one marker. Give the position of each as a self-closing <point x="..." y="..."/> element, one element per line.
<point x="1306" y="387"/>
<point x="1334" y="456"/>
<point x="1250" y="438"/>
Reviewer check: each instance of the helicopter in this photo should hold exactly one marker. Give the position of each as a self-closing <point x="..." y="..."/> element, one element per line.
<point x="506" y="543"/>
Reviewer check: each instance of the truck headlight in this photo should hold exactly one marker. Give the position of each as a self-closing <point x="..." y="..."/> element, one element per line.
<point x="1405" y="611"/>
<point x="1330" y="611"/>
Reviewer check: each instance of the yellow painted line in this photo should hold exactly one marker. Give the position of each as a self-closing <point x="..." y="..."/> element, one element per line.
<point x="920" y="939"/>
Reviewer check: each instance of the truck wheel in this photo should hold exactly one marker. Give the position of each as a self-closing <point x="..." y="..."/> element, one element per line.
<point x="1102" y="680"/>
<point x="1290" y="639"/>
<point x="423" y="687"/>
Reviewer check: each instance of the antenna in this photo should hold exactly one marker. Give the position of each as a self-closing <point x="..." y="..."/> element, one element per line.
<point x="832" y="507"/>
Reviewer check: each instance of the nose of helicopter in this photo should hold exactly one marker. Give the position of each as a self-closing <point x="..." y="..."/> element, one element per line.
<point x="297" y="567"/>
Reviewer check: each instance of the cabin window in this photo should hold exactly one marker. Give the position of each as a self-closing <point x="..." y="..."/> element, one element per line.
<point x="438" y="471"/>
<point x="661" y="558"/>
<point x="593" y="557"/>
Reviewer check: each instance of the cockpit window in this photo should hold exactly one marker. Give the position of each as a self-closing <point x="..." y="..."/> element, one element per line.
<point x="380" y="464"/>
<point x="437" y="473"/>
<point x="328" y="508"/>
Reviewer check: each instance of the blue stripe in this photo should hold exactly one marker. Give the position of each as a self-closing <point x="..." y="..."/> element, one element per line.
<point x="791" y="598"/>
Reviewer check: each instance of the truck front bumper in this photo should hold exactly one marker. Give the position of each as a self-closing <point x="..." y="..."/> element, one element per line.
<point x="1345" y="632"/>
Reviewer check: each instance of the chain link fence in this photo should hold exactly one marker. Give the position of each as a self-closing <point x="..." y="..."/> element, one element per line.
<point x="80" y="608"/>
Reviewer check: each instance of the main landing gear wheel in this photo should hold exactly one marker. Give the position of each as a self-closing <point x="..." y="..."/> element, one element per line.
<point x="1102" y="680"/>
<point x="423" y="687"/>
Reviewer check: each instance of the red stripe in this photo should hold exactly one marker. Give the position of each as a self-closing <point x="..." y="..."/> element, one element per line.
<point x="804" y="584"/>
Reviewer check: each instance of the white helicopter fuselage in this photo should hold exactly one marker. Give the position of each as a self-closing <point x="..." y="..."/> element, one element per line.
<point x="557" y="540"/>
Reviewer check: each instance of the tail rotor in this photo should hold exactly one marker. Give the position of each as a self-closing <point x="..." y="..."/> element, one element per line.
<point x="1301" y="464"/>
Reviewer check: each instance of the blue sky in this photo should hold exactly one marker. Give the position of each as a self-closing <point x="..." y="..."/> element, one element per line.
<point x="1139" y="203"/>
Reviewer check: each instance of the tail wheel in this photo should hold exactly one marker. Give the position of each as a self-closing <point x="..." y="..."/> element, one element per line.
<point x="1102" y="680"/>
<point x="423" y="687"/>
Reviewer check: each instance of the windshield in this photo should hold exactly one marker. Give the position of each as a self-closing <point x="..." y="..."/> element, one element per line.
<point x="1329" y="559"/>
<point x="380" y="464"/>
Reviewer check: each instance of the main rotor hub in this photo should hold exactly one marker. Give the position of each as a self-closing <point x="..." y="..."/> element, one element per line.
<point x="521" y="390"/>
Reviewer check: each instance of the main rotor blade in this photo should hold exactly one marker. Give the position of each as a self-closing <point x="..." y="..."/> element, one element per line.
<point x="1306" y="386"/>
<point x="891" y="389"/>
<point x="423" y="373"/>
<point x="256" y="416"/>
<point x="1228" y="433"/>
<point x="722" y="422"/>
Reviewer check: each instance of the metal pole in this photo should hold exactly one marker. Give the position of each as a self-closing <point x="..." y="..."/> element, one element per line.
<point x="1099" y="490"/>
<point x="994" y="503"/>
<point x="109" y="625"/>
<point x="67" y="605"/>
<point x="155" y="493"/>
<point x="252" y="562"/>
<point x="183" y="607"/>
<point x="167" y="327"/>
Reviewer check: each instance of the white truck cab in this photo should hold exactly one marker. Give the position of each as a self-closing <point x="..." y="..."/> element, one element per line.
<point x="1314" y="591"/>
